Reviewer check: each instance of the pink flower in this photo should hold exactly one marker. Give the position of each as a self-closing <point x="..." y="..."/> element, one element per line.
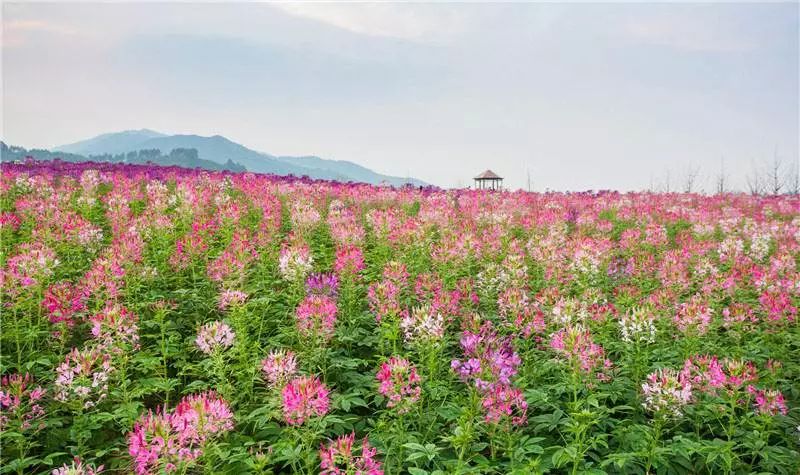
<point x="278" y="367"/>
<point x="115" y="328"/>
<point x="575" y="344"/>
<point x="338" y="458"/>
<point x="778" y="305"/>
<point x="384" y="300"/>
<point x="517" y="311"/>
<point x="694" y="315"/>
<point x="214" y="336"/>
<point x="708" y="375"/>
<point x="505" y="403"/>
<point x="167" y="441"/>
<point x="349" y="260"/>
<point x="19" y="401"/>
<point x="9" y="220"/>
<point x="63" y="301"/>
<point x="33" y="263"/>
<point x="399" y="383"/>
<point x="230" y="266"/>
<point x="304" y="397"/>
<point x="316" y="317"/>
<point x="768" y="401"/>
<point x="229" y="298"/>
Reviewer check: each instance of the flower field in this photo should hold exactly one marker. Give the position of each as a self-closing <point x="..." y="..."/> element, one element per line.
<point x="166" y="320"/>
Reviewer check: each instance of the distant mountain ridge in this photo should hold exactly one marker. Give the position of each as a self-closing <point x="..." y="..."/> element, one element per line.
<point x="181" y="157"/>
<point x="220" y="150"/>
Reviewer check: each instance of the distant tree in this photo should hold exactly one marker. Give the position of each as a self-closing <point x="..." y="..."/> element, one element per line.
<point x="776" y="177"/>
<point x="755" y="182"/>
<point x="689" y="178"/>
<point x="722" y="178"/>
<point x="793" y="179"/>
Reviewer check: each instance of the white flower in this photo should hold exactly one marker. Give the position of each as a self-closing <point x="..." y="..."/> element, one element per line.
<point x="638" y="326"/>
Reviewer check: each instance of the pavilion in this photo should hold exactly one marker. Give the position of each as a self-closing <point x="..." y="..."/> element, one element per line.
<point x="488" y="180"/>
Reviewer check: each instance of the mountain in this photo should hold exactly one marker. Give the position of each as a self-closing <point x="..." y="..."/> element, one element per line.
<point x="354" y="171"/>
<point x="182" y="157"/>
<point x="117" y="142"/>
<point x="219" y="149"/>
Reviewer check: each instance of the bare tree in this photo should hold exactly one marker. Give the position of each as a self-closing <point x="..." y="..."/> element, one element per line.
<point x="722" y="178"/>
<point x="689" y="178"/>
<point x="755" y="182"/>
<point x="667" y="182"/>
<point x="776" y="176"/>
<point x="793" y="179"/>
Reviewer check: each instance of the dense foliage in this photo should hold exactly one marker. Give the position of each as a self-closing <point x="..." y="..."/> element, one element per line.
<point x="169" y="320"/>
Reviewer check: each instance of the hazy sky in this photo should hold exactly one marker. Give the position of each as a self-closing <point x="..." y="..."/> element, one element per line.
<point x="584" y="96"/>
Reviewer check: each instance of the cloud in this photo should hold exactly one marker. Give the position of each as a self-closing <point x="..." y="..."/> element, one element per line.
<point x="691" y="33"/>
<point x="15" y="31"/>
<point x="406" y="21"/>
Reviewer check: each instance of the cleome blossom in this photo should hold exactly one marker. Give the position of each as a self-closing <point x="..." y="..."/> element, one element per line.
<point x="77" y="468"/>
<point x="575" y="344"/>
<point x="421" y="325"/>
<point x="399" y="383"/>
<point x="295" y="263"/>
<point x="339" y="458"/>
<point x="316" y="317"/>
<point x="666" y="392"/>
<point x="20" y="401"/>
<point x="278" y="367"/>
<point x="214" y="336"/>
<point x="83" y="377"/>
<point x="304" y="397"/>
<point x="166" y="442"/>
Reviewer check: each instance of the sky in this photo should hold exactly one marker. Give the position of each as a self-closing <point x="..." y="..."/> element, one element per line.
<point x="622" y="96"/>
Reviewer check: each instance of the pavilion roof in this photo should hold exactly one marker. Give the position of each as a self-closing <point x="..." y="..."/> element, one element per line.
<point x="488" y="175"/>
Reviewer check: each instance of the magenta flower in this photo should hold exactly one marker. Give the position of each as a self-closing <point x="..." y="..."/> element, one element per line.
<point x="304" y="397"/>
<point x="339" y="458"/>
<point x="505" y="403"/>
<point x="768" y="401"/>
<point x="399" y="383"/>
<point x="349" y="260"/>
<point x="63" y="302"/>
<point x="214" y="336"/>
<point x="316" y="317"/>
